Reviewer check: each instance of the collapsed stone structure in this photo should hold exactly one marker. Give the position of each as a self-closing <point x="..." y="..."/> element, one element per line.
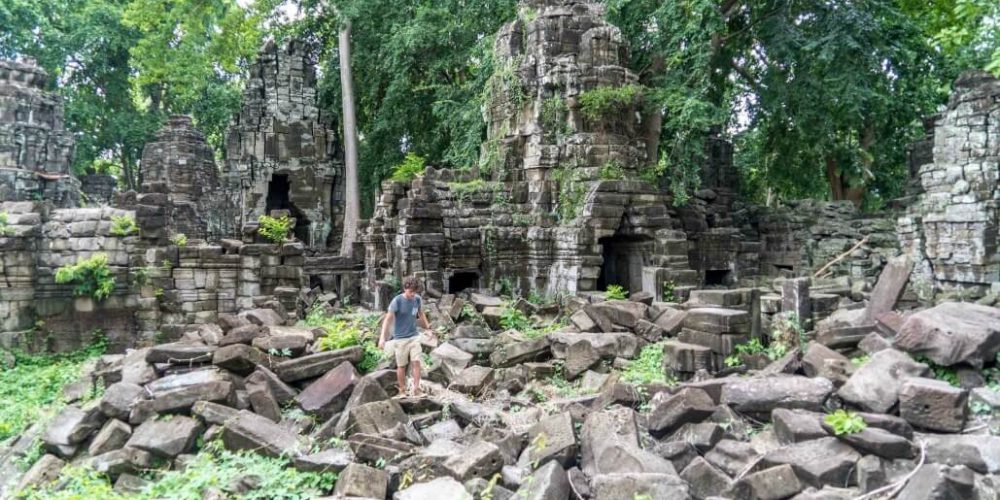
<point x="281" y="150"/>
<point x="951" y="230"/>
<point x="36" y="150"/>
<point x="547" y="219"/>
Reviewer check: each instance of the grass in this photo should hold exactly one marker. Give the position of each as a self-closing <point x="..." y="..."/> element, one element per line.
<point x="212" y="467"/>
<point x="31" y="391"/>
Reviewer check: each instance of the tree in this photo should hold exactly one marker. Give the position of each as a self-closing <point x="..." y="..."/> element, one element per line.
<point x="812" y="90"/>
<point x="424" y="65"/>
<point x="352" y="207"/>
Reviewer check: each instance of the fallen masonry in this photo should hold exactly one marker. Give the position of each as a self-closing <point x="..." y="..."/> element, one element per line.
<point x="515" y="422"/>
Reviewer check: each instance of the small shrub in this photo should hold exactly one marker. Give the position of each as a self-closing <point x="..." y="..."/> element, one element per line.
<point x="612" y="170"/>
<point x="140" y="276"/>
<point x="860" y="360"/>
<point x="514" y="319"/>
<point x="668" y="291"/>
<point x="553" y="117"/>
<point x="615" y="292"/>
<point x="604" y="102"/>
<point x="123" y="225"/>
<point x="412" y="167"/>
<point x="274" y="229"/>
<point x="648" y="367"/>
<point x="91" y="277"/>
<point x="179" y="239"/>
<point x="464" y="190"/>
<point x="845" y="422"/>
<point x="371" y="356"/>
<point x="754" y="346"/>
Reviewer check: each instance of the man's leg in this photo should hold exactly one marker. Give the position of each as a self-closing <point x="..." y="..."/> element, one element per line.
<point x="401" y="378"/>
<point x="415" y="373"/>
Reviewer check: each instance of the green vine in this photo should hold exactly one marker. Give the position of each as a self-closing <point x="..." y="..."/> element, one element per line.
<point x="572" y="190"/>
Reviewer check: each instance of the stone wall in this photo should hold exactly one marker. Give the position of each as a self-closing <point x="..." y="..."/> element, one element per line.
<point x="281" y="150"/>
<point x="161" y="290"/>
<point x="951" y="231"/>
<point x="35" y="148"/>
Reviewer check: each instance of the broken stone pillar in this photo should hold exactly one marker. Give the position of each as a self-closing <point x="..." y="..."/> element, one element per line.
<point x="795" y="300"/>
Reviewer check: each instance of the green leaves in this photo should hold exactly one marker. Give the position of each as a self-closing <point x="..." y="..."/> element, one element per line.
<point x="411" y="168"/>
<point x="90" y="276"/>
<point x="615" y="292"/>
<point x="845" y="422"/>
<point x="274" y="229"/>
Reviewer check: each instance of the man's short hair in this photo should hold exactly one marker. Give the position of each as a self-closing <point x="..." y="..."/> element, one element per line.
<point x="411" y="284"/>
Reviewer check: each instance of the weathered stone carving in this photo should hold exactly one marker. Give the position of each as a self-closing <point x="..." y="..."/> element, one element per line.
<point x="35" y="149"/>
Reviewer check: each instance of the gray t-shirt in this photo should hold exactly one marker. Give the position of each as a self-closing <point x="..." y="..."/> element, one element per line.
<point x="406" y="316"/>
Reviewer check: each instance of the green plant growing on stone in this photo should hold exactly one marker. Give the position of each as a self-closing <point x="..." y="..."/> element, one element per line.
<point x="572" y="191"/>
<point x="274" y="229"/>
<point x="845" y="422"/>
<point x="522" y="220"/>
<point x="860" y="360"/>
<point x="411" y="167"/>
<point x="553" y="117"/>
<point x="647" y="368"/>
<point x="5" y="228"/>
<point x="123" y="225"/>
<point x="341" y="332"/>
<point x="371" y="356"/>
<point x="612" y="170"/>
<point x="35" y="402"/>
<point x="606" y="102"/>
<point x="179" y="239"/>
<point x="514" y="319"/>
<point x="463" y="191"/>
<point x="615" y="292"/>
<point x="90" y="277"/>
<point x="394" y="283"/>
<point x="980" y="408"/>
<point x="668" y="291"/>
<point x="944" y="373"/>
<point x="140" y="276"/>
<point x="754" y="346"/>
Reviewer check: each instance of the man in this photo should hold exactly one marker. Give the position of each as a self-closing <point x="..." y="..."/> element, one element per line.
<point x="404" y="310"/>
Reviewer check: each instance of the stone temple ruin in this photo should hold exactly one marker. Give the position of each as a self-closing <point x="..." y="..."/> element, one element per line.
<point x="863" y="305"/>
<point x="35" y="148"/>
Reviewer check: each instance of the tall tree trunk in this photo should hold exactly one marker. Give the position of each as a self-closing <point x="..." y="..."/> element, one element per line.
<point x="352" y="208"/>
<point x="839" y="190"/>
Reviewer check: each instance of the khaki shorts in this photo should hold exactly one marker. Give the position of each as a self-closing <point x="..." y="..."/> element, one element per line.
<point x="405" y="350"/>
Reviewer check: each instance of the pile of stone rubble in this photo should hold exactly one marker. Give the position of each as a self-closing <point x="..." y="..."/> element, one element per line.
<point x="492" y="427"/>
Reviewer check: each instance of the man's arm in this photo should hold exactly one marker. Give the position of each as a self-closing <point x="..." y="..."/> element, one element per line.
<point x="390" y="317"/>
<point x="423" y="318"/>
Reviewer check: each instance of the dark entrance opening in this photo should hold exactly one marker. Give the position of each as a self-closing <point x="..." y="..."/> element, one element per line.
<point x="717" y="277"/>
<point x="462" y="280"/>
<point x="278" y="198"/>
<point x="623" y="258"/>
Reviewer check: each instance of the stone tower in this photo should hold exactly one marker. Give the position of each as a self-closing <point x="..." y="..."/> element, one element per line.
<point x="36" y="150"/>
<point x="281" y="151"/>
<point x="557" y="205"/>
<point x="181" y="165"/>
<point x="951" y="232"/>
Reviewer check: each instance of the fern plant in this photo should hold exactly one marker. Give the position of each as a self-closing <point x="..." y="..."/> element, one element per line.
<point x="91" y="277"/>
<point x="845" y="422"/>
<point x="274" y="229"/>
<point x="615" y="292"/>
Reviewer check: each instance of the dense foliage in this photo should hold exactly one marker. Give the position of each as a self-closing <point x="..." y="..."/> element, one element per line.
<point x="29" y="403"/>
<point x="819" y="97"/>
